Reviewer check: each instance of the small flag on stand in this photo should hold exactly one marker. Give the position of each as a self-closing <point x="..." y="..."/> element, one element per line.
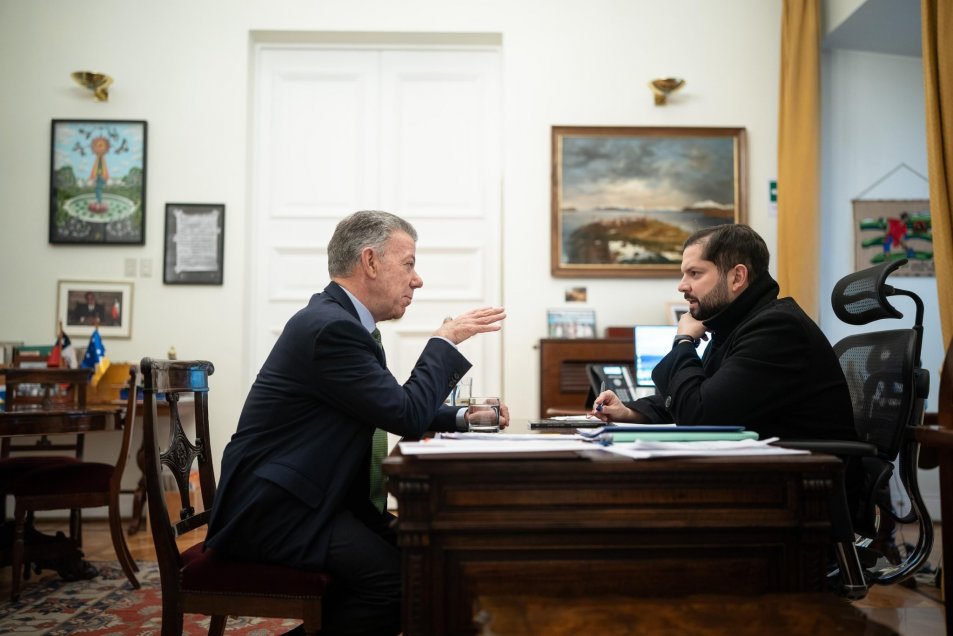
<point x="63" y="354"/>
<point x="95" y="358"/>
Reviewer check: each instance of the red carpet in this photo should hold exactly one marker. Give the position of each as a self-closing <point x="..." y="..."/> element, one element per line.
<point x="107" y="605"/>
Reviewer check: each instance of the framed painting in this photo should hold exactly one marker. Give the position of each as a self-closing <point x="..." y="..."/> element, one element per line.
<point x="98" y="182"/>
<point x="82" y="305"/>
<point x="194" y="244"/>
<point x="624" y="199"/>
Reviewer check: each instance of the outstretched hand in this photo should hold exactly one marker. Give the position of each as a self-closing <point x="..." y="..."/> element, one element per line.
<point x="458" y="329"/>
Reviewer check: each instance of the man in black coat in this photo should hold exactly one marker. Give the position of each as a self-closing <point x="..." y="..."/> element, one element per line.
<point x="768" y="367"/>
<point x="296" y="476"/>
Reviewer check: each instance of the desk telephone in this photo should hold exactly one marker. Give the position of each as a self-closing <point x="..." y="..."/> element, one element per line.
<point x="617" y="378"/>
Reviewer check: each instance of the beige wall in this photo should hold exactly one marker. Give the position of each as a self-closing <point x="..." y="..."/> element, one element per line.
<point x="184" y="67"/>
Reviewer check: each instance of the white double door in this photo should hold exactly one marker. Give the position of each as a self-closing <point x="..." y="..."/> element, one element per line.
<point x="413" y="132"/>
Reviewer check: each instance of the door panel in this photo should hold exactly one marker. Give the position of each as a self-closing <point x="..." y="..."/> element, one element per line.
<point x="414" y="132"/>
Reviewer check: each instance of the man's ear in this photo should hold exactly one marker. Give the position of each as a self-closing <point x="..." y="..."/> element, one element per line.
<point x="370" y="262"/>
<point x="739" y="278"/>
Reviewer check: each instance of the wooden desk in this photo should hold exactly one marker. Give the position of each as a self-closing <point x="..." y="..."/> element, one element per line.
<point x="58" y="421"/>
<point x="578" y="527"/>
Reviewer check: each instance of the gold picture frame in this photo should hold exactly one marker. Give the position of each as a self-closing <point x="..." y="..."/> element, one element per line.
<point x="625" y="198"/>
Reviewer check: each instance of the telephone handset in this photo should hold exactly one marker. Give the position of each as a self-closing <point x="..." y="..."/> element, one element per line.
<point x="616" y="378"/>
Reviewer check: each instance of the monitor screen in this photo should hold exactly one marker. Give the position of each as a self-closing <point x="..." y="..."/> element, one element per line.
<point x="652" y="343"/>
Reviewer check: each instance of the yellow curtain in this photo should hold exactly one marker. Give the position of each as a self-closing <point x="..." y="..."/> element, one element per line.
<point x="799" y="140"/>
<point x="937" y="18"/>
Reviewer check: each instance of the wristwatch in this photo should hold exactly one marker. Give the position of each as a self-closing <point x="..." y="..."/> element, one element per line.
<point x="684" y="337"/>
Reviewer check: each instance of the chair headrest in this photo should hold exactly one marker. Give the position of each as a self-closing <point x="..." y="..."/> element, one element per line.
<point x="861" y="297"/>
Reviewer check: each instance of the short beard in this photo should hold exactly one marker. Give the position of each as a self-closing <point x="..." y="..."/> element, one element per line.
<point x="712" y="302"/>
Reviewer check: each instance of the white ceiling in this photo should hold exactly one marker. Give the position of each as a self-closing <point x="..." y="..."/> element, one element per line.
<point x="881" y="26"/>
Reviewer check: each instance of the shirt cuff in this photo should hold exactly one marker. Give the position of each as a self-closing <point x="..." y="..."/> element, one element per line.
<point x="445" y="340"/>
<point x="462" y="426"/>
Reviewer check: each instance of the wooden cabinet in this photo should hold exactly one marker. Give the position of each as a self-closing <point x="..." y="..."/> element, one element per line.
<point x="563" y="384"/>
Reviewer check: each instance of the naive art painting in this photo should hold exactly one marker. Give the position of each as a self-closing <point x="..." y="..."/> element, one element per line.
<point x="891" y="229"/>
<point x="98" y="182"/>
<point x="625" y="199"/>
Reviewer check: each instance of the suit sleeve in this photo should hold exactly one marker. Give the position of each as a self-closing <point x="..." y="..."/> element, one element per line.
<point x="350" y="377"/>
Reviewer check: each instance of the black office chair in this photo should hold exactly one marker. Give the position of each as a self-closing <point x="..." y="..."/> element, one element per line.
<point x="888" y="390"/>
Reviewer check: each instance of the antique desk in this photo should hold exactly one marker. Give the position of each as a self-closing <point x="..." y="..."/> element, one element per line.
<point x="56" y="421"/>
<point x="587" y="526"/>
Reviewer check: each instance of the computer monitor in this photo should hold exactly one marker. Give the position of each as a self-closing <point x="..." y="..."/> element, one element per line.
<point x="652" y="343"/>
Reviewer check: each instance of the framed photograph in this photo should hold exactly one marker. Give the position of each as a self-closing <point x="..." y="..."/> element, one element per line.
<point x="676" y="311"/>
<point x="194" y="244"/>
<point x="891" y="229"/>
<point x="98" y="182"/>
<point x="571" y="323"/>
<point x="82" y="304"/>
<point x="624" y="199"/>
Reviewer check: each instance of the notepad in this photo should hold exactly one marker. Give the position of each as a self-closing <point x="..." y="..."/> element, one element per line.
<point x="678" y="436"/>
<point x="656" y="428"/>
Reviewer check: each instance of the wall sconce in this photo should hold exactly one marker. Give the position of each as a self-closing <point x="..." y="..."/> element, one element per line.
<point x="96" y="82"/>
<point x="663" y="86"/>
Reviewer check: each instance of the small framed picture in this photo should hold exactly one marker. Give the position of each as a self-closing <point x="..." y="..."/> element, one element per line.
<point x="98" y="182"/>
<point x="194" y="244"/>
<point x="82" y="305"/>
<point x="676" y="311"/>
<point x="571" y="323"/>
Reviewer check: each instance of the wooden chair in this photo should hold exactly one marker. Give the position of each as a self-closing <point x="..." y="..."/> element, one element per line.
<point x="197" y="580"/>
<point x="56" y="387"/>
<point x="72" y="485"/>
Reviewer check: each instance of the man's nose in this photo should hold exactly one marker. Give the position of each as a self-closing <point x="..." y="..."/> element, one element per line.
<point x="417" y="282"/>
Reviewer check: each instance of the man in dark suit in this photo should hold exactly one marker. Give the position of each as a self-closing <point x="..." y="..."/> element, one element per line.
<point x="297" y="474"/>
<point x="92" y="313"/>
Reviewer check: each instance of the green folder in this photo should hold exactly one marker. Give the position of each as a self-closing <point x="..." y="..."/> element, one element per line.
<point x="680" y="436"/>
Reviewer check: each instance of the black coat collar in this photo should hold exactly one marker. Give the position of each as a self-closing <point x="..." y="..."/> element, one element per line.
<point x="762" y="291"/>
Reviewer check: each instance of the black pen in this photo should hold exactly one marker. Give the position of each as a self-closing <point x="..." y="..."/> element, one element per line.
<point x="602" y="389"/>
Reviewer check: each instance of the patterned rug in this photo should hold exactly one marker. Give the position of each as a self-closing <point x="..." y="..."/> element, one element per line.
<point x="108" y="606"/>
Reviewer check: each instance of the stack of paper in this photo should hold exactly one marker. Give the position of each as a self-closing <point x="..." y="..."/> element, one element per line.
<point x="647" y="450"/>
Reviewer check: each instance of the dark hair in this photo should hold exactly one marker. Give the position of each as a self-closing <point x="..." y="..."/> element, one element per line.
<point x="367" y="228"/>
<point x="732" y="244"/>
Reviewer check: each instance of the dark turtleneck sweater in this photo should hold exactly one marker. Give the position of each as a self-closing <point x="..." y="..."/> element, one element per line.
<point x="769" y="368"/>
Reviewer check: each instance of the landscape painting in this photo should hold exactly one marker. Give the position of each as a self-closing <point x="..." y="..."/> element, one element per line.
<point x="624" y="199"/>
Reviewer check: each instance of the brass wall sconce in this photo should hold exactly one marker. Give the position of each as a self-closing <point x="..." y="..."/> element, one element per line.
<point x="96" y="82"/>
<point x="663" y="86"/>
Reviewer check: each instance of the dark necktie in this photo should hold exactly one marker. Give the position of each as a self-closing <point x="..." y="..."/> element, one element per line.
<point x="378" y="494"/>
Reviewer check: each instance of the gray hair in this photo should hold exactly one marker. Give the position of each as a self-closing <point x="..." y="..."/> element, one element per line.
<point x="367" y="228"/>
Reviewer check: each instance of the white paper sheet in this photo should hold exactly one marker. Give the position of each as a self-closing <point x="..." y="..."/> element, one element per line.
<point x="747" y="447"/>
<point x="488" y="449"/>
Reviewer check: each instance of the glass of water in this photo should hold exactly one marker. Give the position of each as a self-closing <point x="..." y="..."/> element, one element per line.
<point x="483" y="415"/>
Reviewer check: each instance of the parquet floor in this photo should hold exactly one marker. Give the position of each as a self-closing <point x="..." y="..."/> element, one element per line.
<point x="910" y="611"/>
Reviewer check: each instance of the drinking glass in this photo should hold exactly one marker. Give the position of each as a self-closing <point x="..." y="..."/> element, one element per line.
<point x="483" y="415"/>
<point x="460" y="396"/>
